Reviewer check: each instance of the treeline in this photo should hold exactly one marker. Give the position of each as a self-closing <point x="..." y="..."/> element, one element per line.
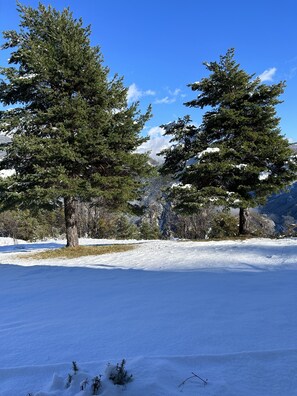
<point x="95" y="222"/>
<point x="32" y="225"/>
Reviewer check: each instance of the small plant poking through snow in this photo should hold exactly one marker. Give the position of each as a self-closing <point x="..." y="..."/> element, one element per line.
<point x="84" y="384"/>
<point x="70" y="376"/>
<point x="75" y="367"/>
<point x="69" y="380"/>
<point x="96" y="385"/>
<point x="118" y="374"/>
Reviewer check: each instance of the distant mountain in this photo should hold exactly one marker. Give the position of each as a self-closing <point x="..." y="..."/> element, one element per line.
<point x="294" y="146"/>
<point x="282" y="208"/>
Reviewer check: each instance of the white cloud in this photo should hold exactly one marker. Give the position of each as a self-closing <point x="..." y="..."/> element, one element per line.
<point x="165" y="100"/>
<point x="171" y="98"/>
<point x="135" y="94"/>
<point x="175" y="92"/>
<point x="149" y="92"/>
<point x="268" y="74"/>
<point x="157" y="143"/>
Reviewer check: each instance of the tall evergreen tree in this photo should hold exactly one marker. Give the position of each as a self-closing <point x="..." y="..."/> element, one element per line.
<point x="237" y="156"/>
<point x="74" y="135"/>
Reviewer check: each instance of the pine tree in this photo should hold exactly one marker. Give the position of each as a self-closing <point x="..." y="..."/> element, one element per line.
<point x="149" y="231"/>
<point x="74" y="135"/>
<point x="237" y="156"/>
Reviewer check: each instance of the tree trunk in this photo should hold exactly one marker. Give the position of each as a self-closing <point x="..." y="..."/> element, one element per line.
<point x="243" y="221"/>
<point x="70" y="210"/>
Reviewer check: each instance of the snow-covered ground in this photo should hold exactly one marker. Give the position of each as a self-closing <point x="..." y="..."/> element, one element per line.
<point x="226" y="311"/>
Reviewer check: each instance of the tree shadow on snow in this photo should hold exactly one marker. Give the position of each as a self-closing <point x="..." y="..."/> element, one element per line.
<point x="28" y="247"/>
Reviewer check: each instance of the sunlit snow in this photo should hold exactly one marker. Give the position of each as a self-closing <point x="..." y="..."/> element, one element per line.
<point x="223" y="310"/>
<point x="264" y="175"/>
<point x="209" y="150"/>
<point x="4" y="173"/>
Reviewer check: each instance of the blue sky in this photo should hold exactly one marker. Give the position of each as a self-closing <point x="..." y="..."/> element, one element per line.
<point x="159" y="47"/>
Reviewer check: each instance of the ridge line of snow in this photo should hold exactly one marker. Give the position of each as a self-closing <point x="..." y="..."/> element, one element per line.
<point x="130" y="359"/>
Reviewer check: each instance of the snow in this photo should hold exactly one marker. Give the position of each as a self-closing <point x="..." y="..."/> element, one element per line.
<point x="213" y="199"/>
<point x="4" y="173"/>
<point x="28" y="76"/>
<point x="241" y="166"/>
<point x="209" y="150"/>
<point x="223" y="310"/>
<point x="264" y="175"/>
<point x="181" y="186"/>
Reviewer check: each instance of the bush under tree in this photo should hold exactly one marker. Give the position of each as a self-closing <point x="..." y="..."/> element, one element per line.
<point x="31" y="225"/>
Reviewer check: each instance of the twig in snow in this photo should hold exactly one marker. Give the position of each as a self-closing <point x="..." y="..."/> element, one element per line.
<point x="193" y="376"/>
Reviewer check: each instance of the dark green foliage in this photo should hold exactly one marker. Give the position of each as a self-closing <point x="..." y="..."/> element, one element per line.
<point x="237" y="156"/>
<point x="149" y="231"/>
<point x="115" y="225"/>
<point x="74" y="135"/>
<point x="124" y="229"/>
<point x="119" y="375"/>
<point x="223" y="224"/>
<point x="31" y="225"/>
<point x="120" y="226"/>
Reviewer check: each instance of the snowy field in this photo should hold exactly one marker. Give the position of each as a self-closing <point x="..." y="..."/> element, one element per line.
<point x="226" y="311"/>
